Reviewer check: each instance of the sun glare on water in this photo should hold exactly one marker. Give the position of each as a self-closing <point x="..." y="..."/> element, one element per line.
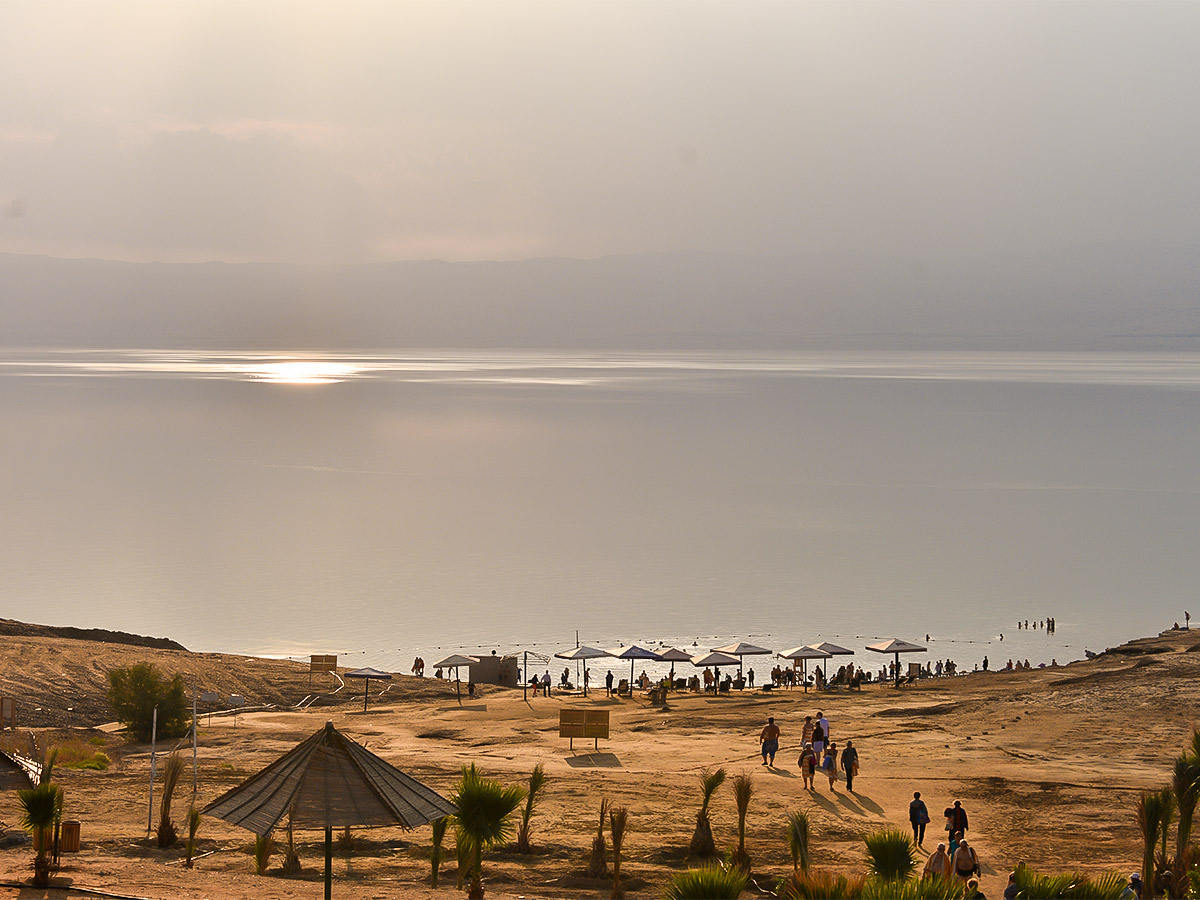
<point x="302" y="372"/>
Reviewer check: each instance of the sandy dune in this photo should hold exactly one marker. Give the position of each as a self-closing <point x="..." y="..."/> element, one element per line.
<point x="1049" y="764"/>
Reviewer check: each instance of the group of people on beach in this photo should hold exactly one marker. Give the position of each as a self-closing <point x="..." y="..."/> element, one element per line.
<point x="818" y="751"/>
<point x="1047" y="624"/>
<point x="959" y="858"/>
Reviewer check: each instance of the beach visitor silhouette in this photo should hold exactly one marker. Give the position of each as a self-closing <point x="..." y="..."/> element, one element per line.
<point x="918" y="817"/>
<point x="769" y="738"/>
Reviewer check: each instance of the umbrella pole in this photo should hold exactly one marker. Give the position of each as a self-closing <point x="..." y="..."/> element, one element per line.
<point x="328" y="862"/>
<point x="897" y="669"/>
<point x="457" y="684"/>
<point x="366" y="684"/>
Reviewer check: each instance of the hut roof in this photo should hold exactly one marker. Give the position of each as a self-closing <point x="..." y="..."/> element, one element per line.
<point x="17" y="772"/>
<point x="331" y="781"/>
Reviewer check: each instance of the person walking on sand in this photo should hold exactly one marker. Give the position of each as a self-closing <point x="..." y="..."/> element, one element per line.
<point x="546" y="683"/>
<point x="818" y="740"/>
<point x="829" y="764"/>
<point x="806" y="737"/>
<point x="769" y="738"/>
<point x="608" y="680"/>
<point x="850" y="764"/>
<point x="966" y="862"/>
<point x="808" y="765"/>
<point x="918" y="817"/>
<point x="956" y="817"/>
<point x="938" y="865"/>
<point x="824" y="722"/>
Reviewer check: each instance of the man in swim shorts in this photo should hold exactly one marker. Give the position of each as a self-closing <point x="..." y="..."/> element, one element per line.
<point x="769" y="738"/>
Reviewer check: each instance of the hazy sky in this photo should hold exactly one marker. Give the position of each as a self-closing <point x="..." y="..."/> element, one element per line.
<point x="344" y="132"/>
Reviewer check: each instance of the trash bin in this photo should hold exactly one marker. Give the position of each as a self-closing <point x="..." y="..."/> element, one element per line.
<point x="68" y="841"/>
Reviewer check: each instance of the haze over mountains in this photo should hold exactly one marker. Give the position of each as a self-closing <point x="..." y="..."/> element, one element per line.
<point x="1111" y="297"/>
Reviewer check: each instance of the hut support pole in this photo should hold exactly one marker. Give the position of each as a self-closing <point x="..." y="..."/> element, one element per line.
<point x="328" y="862"/>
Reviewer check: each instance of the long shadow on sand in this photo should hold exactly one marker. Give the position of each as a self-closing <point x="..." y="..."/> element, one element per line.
<point x="780" y="773"/>
<point x="868" y="803"/>
<point x="593" y="761"/>
<point x="824" y="802"/>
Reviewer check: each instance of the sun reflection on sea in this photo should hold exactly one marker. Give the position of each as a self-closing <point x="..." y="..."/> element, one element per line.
<point x="302" y="372"/>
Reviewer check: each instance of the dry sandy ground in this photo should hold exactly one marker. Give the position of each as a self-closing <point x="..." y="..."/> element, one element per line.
<point x="1048" y="763"/>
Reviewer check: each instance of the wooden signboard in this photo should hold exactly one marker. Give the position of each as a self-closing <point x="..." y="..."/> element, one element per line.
<point x="320" y="663"/>
<point x="583" y="723"/>
<point x="8" y="713"/>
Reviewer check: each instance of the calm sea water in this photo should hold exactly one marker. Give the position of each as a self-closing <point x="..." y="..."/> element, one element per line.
<point x="388" y="505"/>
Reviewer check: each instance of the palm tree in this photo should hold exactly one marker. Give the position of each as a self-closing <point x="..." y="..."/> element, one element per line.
<point x="618" y="821"/>
<point x="743" y="790"/>
<point x="193" y="825"/>
<point x="891" y="855"/>
<point x="709" y="883"/>
<point x="1184" y="778"/>
<point x="537" y="780"/>
<point x="1149" y="817"/>
<point x="597" y="861"/>
<point x="167" y="835"/>
<point x="484" y="806"/>
<point x="798" y="840"/>
<point x="41" y="811"/>
<point x="264" y="847"/>
<point x="435" y="855"/>
<point x="702" y="839"/>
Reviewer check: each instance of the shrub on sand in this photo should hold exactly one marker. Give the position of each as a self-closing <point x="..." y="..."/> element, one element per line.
<point x="537" y="780"/>
<point x="798" y="840"/>
<point x="1069" y="886"/>
<point x="264" y="847"/>
<point x="708" y="883"/>
<point x="743" y="790"/>
<point x="597" y="866"/>
<point x="618" y="822"/>
<point x="890" y="854"/>
<point x="703" y="845"/>
<point x="813" y="885"/>
<point x="167" y="834"/>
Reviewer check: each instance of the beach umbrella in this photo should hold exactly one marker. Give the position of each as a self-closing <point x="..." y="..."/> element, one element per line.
<point x="453" y="661"/>
<point x="367" y="674"/>
<point x="742" y="648"/>
<point x="631" y="653"/>
<point x="897" y="646"/>
<point x="329" y="781"/>
<point x="716" y="659"/>
<point x="832" y="650"/>
<point x="804" y="654"/>
<point x="583" y="653"/>
<point x="674" y="655"/>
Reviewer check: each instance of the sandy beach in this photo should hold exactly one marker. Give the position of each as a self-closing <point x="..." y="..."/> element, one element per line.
<point x="1049" y="764"/>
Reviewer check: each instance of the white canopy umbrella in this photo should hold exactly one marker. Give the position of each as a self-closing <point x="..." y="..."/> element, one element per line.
<point x="832" y="650"/>
<point x="715" y="658"/>
<point x="367" y="674"/>
<point x="453" y="661"/>
<point x="674" y="655"/>
<point x="584" y="653"/>
<point x="897" y="646"/>
<point x="631" y="653"/>
<point x="804" y="654"/>
<point x="741" y="649"/>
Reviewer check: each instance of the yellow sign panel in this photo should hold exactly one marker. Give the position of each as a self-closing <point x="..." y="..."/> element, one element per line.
<point x="583" y="723"/>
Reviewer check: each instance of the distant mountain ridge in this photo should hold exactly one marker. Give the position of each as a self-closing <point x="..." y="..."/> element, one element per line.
<point x="1127" y="296"/>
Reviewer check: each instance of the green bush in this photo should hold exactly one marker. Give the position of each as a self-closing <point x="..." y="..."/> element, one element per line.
<point x="818" y="885"/>
<point x="913" y="889"/>
<point x="1068" y="886"/>
<point x="891" y="854"/>
<point x="708" y="883"/>
<point x="134" y="692"/>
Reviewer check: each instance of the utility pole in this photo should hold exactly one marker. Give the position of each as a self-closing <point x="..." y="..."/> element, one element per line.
<point x="153" y="764"/>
